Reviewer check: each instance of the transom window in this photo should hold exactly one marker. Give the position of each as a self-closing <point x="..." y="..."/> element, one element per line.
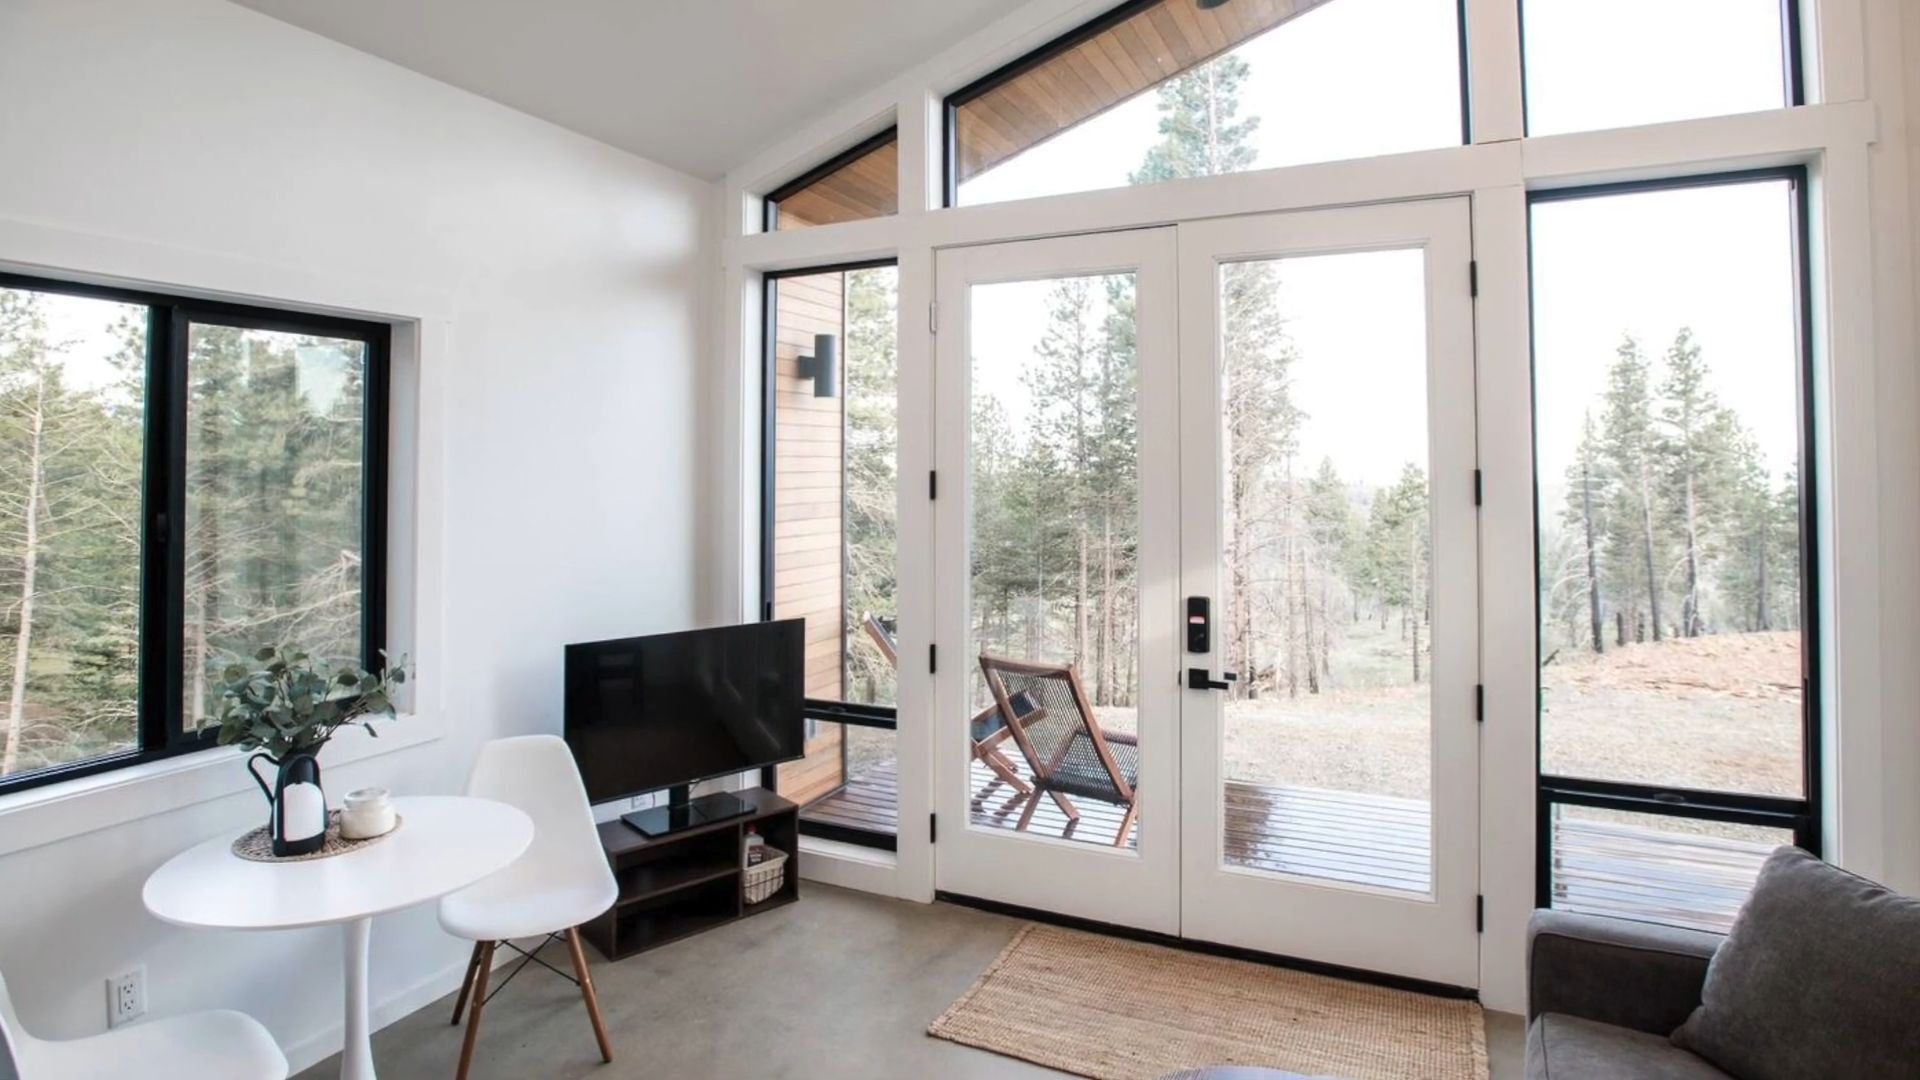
<point x="863" y="182"/>
<point x="181" y="483"/>
<point x="1600" y="65"/>
<point x="1246" y="84"/>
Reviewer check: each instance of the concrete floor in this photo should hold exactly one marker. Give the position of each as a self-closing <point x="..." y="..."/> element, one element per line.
<point x="841" y="985"/>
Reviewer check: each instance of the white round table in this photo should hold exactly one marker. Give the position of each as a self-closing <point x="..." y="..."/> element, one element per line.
<point x="443" y="844"/>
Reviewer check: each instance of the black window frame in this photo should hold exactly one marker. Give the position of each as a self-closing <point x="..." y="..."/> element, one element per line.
<point x="1793" y="67"/>
<point x="160" y="729"/>
<point x="847" y="713"/>
<point x="1803" y="816"/>
<point x="770" y="202"/>
<point x="1013" y="69"/>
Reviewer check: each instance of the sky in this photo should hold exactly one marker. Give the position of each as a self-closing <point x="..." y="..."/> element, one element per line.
<point x="1360" y="77"/>
<point x="80" y="329"/>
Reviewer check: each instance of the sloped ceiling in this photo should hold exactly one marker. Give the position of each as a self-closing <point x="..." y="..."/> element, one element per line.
<point x="698" y="85"/>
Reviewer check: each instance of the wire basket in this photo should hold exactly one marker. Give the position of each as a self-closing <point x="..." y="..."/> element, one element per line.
<point x="765" y="877"/>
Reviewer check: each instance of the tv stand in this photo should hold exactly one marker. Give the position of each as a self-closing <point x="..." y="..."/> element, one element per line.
<point x="690" y="879"/>
<point x="663" y="821"/>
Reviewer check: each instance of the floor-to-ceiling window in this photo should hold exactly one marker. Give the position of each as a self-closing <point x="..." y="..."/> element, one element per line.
<point x="1671" y="381"/>
<point x="828" y="540"/>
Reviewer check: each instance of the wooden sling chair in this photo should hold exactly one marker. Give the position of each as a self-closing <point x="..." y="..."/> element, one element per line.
<point x="986" y="730"/>
<point x="1056" y="731"/>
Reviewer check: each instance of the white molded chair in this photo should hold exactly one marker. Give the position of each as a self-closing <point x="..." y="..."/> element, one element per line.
<point x="563" y="880"/>
<point x="216" y="1045"/>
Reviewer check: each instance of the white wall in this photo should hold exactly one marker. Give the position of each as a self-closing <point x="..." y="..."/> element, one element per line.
<point x="563" y="292"/>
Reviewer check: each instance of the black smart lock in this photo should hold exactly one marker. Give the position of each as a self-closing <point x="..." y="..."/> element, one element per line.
<point x="1199" y="624"/>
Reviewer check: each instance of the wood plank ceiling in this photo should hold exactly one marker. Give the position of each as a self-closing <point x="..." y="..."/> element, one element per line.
<point x="1102" y="70"/>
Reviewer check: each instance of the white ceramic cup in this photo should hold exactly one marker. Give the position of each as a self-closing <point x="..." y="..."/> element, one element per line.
<point x="368" y="813"/>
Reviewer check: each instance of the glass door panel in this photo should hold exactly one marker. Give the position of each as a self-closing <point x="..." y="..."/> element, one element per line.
<point x="1055" y="526"/>
<point x="1327" y="559"/>
<point x="1330" y="788"/>
<point x="1056" y="735"/>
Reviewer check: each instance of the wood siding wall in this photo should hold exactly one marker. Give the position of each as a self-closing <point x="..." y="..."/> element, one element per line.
<point x="807" y="508"/>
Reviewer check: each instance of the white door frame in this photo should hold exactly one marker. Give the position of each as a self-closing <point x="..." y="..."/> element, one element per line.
<point x="1432" y="937"/>
<point x="1137" y="888"/>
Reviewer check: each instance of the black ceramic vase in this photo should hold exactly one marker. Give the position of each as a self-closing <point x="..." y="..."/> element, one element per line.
<point x="297" y="807"/>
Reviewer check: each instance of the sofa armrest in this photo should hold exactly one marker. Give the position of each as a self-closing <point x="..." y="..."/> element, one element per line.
<point x="1615" y="971"/>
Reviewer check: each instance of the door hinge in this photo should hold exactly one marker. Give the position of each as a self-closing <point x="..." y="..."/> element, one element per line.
<point x="933" y="658"/>
<point x="1479" y="703"/>
<point x="1478" y="487"/>
<point x="933" y="484"/>
<point x="1479" y="914"/>
<point x="933" y="316"/>
<point x="933" y="828"/>
<point x="1473" y="277"/>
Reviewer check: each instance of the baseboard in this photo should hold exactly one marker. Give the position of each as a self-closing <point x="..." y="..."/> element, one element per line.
<point x="313" y="1050"/>
<point x="849" y="866"/>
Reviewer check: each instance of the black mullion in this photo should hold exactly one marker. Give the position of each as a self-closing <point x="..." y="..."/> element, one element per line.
<point x="1674" y="795"/>
<point x="1810" y="667"/>
<point x="158" y="544"/>
<point x="374" y="414"/>
<point x="853" y="714"/>
<point x="171" y="457"/>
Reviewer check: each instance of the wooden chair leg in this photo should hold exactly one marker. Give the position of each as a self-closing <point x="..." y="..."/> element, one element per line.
<point x="586" y="991"/>
<point x="1026" y="812"/>
<point x="479" y="1002"/>
<point x="1002" y="768"/>
<point x="1066" y="806"/>
<point x="466" y="985"/>
<point x="1126" y="824"/>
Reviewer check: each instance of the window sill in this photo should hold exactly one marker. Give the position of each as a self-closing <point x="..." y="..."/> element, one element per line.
<point x="46" y="815"/>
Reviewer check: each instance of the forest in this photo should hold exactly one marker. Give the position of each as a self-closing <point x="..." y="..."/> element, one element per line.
<point x="1672" y="525"/>
<point x="274" y="449"/>
<point x="1311" y="554"/>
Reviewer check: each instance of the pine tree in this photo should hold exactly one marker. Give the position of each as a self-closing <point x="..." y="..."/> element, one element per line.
<point x="1692" y="449"/>
<point x="1633" y="547"/>
<point x="1586" y="495"/>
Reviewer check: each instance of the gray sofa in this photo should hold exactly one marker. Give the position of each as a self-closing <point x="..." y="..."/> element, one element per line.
<point x="1816" y="981"/>
<point x="1603" y="995"/>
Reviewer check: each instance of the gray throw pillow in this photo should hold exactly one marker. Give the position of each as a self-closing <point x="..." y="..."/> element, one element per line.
<point x="1819" y="978"/>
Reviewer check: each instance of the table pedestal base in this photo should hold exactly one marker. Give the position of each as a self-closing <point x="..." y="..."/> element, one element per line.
<point x="356" y="1056"/>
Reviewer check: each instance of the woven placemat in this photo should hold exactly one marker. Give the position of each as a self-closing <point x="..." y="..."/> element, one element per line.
<point x="256" y="845"/>
<point x="1113" y="1009"/>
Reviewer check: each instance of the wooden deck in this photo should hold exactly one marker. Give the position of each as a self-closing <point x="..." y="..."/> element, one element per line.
<point x="1604" y="868"/>
<point x="1381" y="842"/>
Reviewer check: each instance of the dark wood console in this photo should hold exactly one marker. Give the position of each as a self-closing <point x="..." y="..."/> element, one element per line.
<point x="688" y="881"/>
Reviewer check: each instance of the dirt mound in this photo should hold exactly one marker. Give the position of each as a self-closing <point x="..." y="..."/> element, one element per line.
<point x="1764" y="666"/>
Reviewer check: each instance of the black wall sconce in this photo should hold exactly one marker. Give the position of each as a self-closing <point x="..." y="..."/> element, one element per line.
<point x="823" y="365"/>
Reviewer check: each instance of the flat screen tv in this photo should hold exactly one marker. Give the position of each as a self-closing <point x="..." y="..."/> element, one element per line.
<point x="647" y="713"/>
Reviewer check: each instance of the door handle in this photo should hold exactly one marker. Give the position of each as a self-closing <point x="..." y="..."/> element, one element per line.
<point x="1199" y="678"/>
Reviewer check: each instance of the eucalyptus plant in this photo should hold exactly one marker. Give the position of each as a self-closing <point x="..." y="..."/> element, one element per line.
<point x="286" y="705"/>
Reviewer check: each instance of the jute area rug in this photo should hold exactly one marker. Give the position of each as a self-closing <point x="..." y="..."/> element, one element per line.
<point x="1124" y="1010"/>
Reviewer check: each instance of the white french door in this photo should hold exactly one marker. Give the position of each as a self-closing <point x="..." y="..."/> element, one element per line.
<point x="1056" y="545"/>
<point x="1269" y="419"/>
<point x="1330" y="797"/>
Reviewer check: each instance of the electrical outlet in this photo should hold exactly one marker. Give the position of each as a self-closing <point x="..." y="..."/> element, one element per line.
<point x="127" y="996"/>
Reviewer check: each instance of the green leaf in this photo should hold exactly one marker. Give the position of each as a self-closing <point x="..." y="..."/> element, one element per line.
<point x="265" y="654"/>
<point x="234" y="673"/>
